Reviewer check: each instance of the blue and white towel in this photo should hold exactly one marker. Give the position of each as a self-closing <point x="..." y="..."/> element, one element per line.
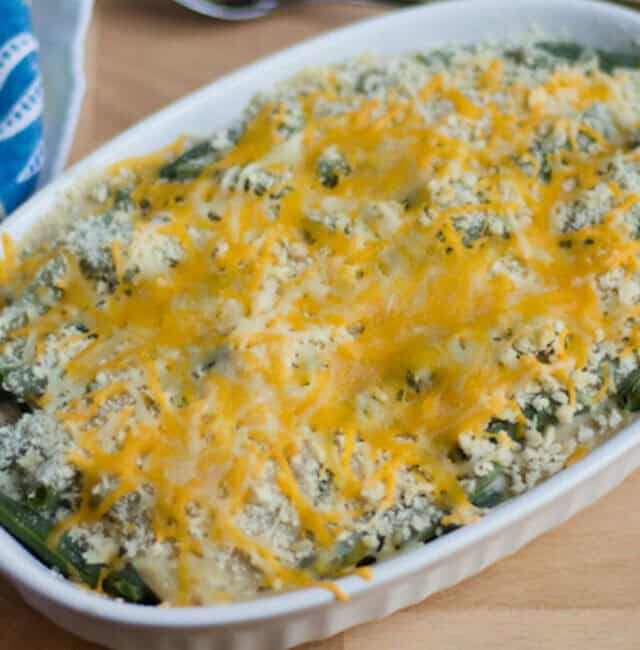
<point x="21" y="103"/>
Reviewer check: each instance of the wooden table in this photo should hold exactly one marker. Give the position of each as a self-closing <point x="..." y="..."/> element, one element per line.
<point x="577" y="588"/>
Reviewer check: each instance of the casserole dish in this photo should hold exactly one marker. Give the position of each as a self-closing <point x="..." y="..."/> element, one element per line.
<point x="364" y="598"/>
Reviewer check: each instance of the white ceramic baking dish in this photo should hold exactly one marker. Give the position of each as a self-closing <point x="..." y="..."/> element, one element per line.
<point x="286" y="620"/>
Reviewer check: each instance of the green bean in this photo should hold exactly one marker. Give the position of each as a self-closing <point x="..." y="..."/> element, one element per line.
<point x="79" y="568"/>
<point x="127" y="584"/>
<point x="510" y="428"/>
<point x="608" y="60"/>
<point x="347" y="553"/>
<point x="190" y="164"/>
<point x="122" y="199"/>
<point x="42" y="499"/>
<point x="426" y="534"/>
<point x="10" y="411"/>
<point x="570" y="52"/>
<point x="351" y="551"/>
<point x="33" y="530"/>
<point x="331" y="171"/>
<point x="490" y="490"/>
<point x="629" y="391"/>
<point x="540" y="419"/>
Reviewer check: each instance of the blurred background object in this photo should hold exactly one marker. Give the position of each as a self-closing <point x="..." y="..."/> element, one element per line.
<point x="60" y="27"/>
<point x="248" y="9"/>
<point x="20" y="106"/>
<point x="232" y="9"/>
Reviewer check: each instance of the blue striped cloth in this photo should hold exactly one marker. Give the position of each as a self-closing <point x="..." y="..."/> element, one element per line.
<point x="21" y="148"/>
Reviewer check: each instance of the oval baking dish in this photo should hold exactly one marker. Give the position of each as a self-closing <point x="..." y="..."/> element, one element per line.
<point x="296" y="617"/>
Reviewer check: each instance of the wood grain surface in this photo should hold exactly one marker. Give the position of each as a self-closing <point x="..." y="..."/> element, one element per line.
<point x="577" y="588"/>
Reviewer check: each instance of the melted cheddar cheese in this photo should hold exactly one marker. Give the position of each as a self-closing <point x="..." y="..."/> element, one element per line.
<point x="399" y="293"/>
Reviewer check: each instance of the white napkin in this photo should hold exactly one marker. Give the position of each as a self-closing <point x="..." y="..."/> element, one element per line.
<point x="61" y="27"/>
